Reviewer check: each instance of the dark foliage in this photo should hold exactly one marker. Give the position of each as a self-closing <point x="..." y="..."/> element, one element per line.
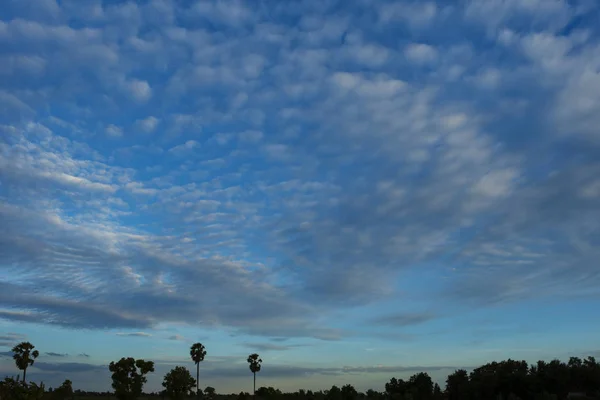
<point x="129" y="376"/>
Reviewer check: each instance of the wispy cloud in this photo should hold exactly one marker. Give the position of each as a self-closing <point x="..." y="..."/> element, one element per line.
<point x="270" y="346"/>
<point x="134" y="334"/>
<point x="10" y="339"/>
<point x="52" y="354"/>
<point x="68" y="367"/>
<point x="403" y="319"/>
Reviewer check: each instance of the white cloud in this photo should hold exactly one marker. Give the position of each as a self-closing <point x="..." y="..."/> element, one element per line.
<point x="113" y="130"/>
<point x="420" y="53"/>
<point x="185" y="147"/>
<point x="490" y="78"/>
<point x="370" y="55"/>
<point x="496" y="183"/>
<point x="250" y="136"/>
<point x="416" y="14"/>
<point x="140" y="90"/>
<point x="148" y="124"/>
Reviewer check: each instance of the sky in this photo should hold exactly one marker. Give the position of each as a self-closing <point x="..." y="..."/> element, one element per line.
<point x="355" y="190"/>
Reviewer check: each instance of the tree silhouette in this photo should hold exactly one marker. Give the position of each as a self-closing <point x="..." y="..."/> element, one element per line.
<point x="457" y="385"/>
<point x="178" y="383"/>
<point x="396" y="388"/>
<point x="210" y="392"/>
<point x="197" y="352"/>
<point x="421" y="386"/>
<point x="437" y="392"/>
<point x="372" y="394"/>
<point x="126" y="379"/>
<point x="254" y="361"/>
<point x="24" y="356"/>
<point x="13" y="389"/>
<point x="335" y="393"/>
<point x="268" y="393"/>
<point x="349" y="392"/>
<point x="64" y="391"/>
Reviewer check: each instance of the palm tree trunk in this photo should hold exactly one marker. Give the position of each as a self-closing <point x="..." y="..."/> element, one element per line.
<point x="24" y="373"/>
<point x="254" y="383"/>
<point x="197" y="377"/>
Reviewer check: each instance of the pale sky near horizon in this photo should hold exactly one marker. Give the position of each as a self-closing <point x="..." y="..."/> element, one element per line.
<point x="355" y="189"/>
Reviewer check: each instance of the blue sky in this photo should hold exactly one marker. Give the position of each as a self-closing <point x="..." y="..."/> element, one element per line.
<point x="353" y="189"/>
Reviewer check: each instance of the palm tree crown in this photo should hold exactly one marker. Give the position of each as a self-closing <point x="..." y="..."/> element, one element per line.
<point x="198" y="352"/>
<point x="254" y="361"/>
<point x="24" y="356"/>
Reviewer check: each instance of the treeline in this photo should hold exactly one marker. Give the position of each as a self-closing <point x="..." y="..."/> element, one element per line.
<point x="506" y="380"/>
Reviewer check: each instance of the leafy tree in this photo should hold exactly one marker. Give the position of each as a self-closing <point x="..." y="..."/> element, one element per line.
<point x="457" y="385"/>
<point x="129" y="376"/>
<point x="210" y="392"/>
<point x="178" y="383"/>
<point x="24" y="356"/>
<point x="371" y="394"/>
<point x="64" y="391"/>
<point x="197" y="352"/>
<point x="254" y="362"/>
<point x="268" y="392"/>
<point x="437" y="392"/>
<point x="335" y="393"/>
<point x="555" y="378"/>
<point x="421" y="386"/>
<point x="13" y="389"/>
<point x="396" y="388"/>
<point x="349" y="392"/>
<point x="243" y="396"/>
<point x="591" y="376"/>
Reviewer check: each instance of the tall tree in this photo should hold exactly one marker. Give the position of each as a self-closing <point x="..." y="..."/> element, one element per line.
<point x="335" y="393"/>
<point x="210" y="392"/>
<point x="64" y="391"/>
<point x="437" y="392"/>
<point x="457" y="385"/>
<point x="349" y="392"/>
<point x="24" y="356"/>
<point x="254" y="361"/>
<point x="197" y="352"/>
<point x="129" y="376"/>
<point x="178" y="383"/>
<point x="421" y="386"/>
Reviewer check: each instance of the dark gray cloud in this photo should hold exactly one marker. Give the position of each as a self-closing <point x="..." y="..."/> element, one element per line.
<point x="52" y="354"/>
<point x="279" y="339"/>
<point x="13" y="336"/>
<point x="134" y="334"/>
<point x="271" y="346"/>
<point x="68" y="367"/>
<point x="10" y="339"/>
<point x="403" y="319"/>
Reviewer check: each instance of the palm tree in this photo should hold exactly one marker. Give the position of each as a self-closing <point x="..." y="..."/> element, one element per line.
<point x="24" y="356"/>
<point x="254" y="361"/>
<point x="197" y="352"/>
